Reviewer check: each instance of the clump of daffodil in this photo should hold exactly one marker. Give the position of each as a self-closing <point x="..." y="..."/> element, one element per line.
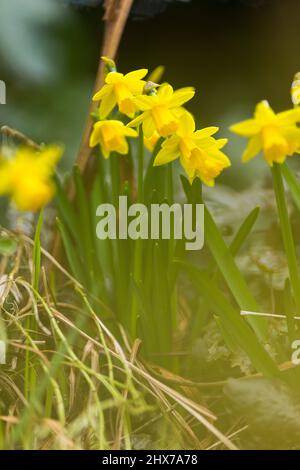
<point x="120" y="89"/>
<point x="27" y="177"/>
<point x="111" y="136"/>
<point x="200" y="153"/>
<point x="160" y="110"/>
<point x="277" y="135"/>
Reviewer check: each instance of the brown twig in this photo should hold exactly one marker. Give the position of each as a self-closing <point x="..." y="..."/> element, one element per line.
<point x="9" y="132"/>
<point x="116" y="14"/>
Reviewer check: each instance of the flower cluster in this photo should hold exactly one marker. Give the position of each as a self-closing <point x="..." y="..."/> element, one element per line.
<point x="130" y="102"/>
<point x="27" y="176"/>
<point x="158" y="109"/>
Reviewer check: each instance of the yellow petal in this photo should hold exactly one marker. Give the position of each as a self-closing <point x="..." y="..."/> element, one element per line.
<point x="137" y="121"/>
<point x="114" y="77"/>
<point x="181" y="96"/>
<point x="32" y="194"/>
<point x="186" y="124"/>
<point x="165" y="92"/>
<point x="253" y="148"/>
<point x="95" y="137"/>
<point x="151" y="141"/>
<point x="107" y="104"/>
<point x="123" y="147"/>
<point x="166" y="155"/>
<point x="263" y="112"/>
<point x="189" y="169"/>
<point x="292" y="134"/>
<point x="286" y="118"/>
<point x="206" y="132"/>
<point x="102" y="92"/>
<point x="148" y="127"/>
<point x="247" y="128"/>
<point x="127" y="131"/>
<point x="206" y="142"/>
<point x="136" y="75"/>
<point x="144" y="102"/>
<point x="220" y="143"/>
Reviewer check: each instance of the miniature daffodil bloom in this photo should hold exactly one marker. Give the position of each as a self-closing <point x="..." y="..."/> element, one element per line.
<point x="295" y="90"/>
<point x="200" y="153"/>
<point x="111" y="135"/>
<point x="27" y="177"/>
<point x="159" y="111"/>
<point x="277" y="135"/>
<point x="120" y="89"/>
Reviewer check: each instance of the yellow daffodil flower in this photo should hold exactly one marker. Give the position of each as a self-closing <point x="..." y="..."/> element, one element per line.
<point x="26" y="177"/>
<point x="276" y="134"/>
<point x="199" y="152"/>
<point x="120" y="89"/>
<point x="111" y="135"/>
<point x="160" y="111"/>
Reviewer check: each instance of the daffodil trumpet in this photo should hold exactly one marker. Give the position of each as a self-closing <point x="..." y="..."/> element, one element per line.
<point x="199" y="153"/>
<point x="161" y="110"/>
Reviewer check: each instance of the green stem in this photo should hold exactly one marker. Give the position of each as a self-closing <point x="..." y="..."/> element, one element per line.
<point x="170" y="184"/>
<point x="170" y="195"/>
<point x="286" y="232"/>
<point x="115" y="178"/>
<point x="31" y="325"/>
<point x="137" y="267"/>
<point x="141" y="166"/>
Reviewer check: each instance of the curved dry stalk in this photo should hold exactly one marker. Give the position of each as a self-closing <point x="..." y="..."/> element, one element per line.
<point x="9" y="132"/>
<point x="115" y="18"/>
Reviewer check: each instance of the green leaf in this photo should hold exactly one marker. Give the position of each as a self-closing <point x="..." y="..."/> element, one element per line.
<point x="243" y="232"/>
<point x="37" y="252"/>
<point x="292" y="183"/>
<point x="289" y="309"/>
<point x="286" y="232"/>
<point x="224" y="259"/>
<point x="231" y="273"/>
<point x="231" y="319"/>
<point x="66" y="210"/>
<point x="71" y="252"/>
<point x="8" y="246"/>
<point x="85" y="224"/>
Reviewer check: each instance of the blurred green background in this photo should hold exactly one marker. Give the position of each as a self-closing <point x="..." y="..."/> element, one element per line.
<point x="235" y="52"/>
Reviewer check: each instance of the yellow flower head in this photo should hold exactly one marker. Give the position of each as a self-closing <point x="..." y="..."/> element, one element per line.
<point x="295" y="90"/>
<point x="111" y="135"/>
<point x="276" y="134"/>
<point x="26" y="177"/>
<point x="200" y="153"/>
<point x="120" y="89"/>
<point x="160" y="111"/>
